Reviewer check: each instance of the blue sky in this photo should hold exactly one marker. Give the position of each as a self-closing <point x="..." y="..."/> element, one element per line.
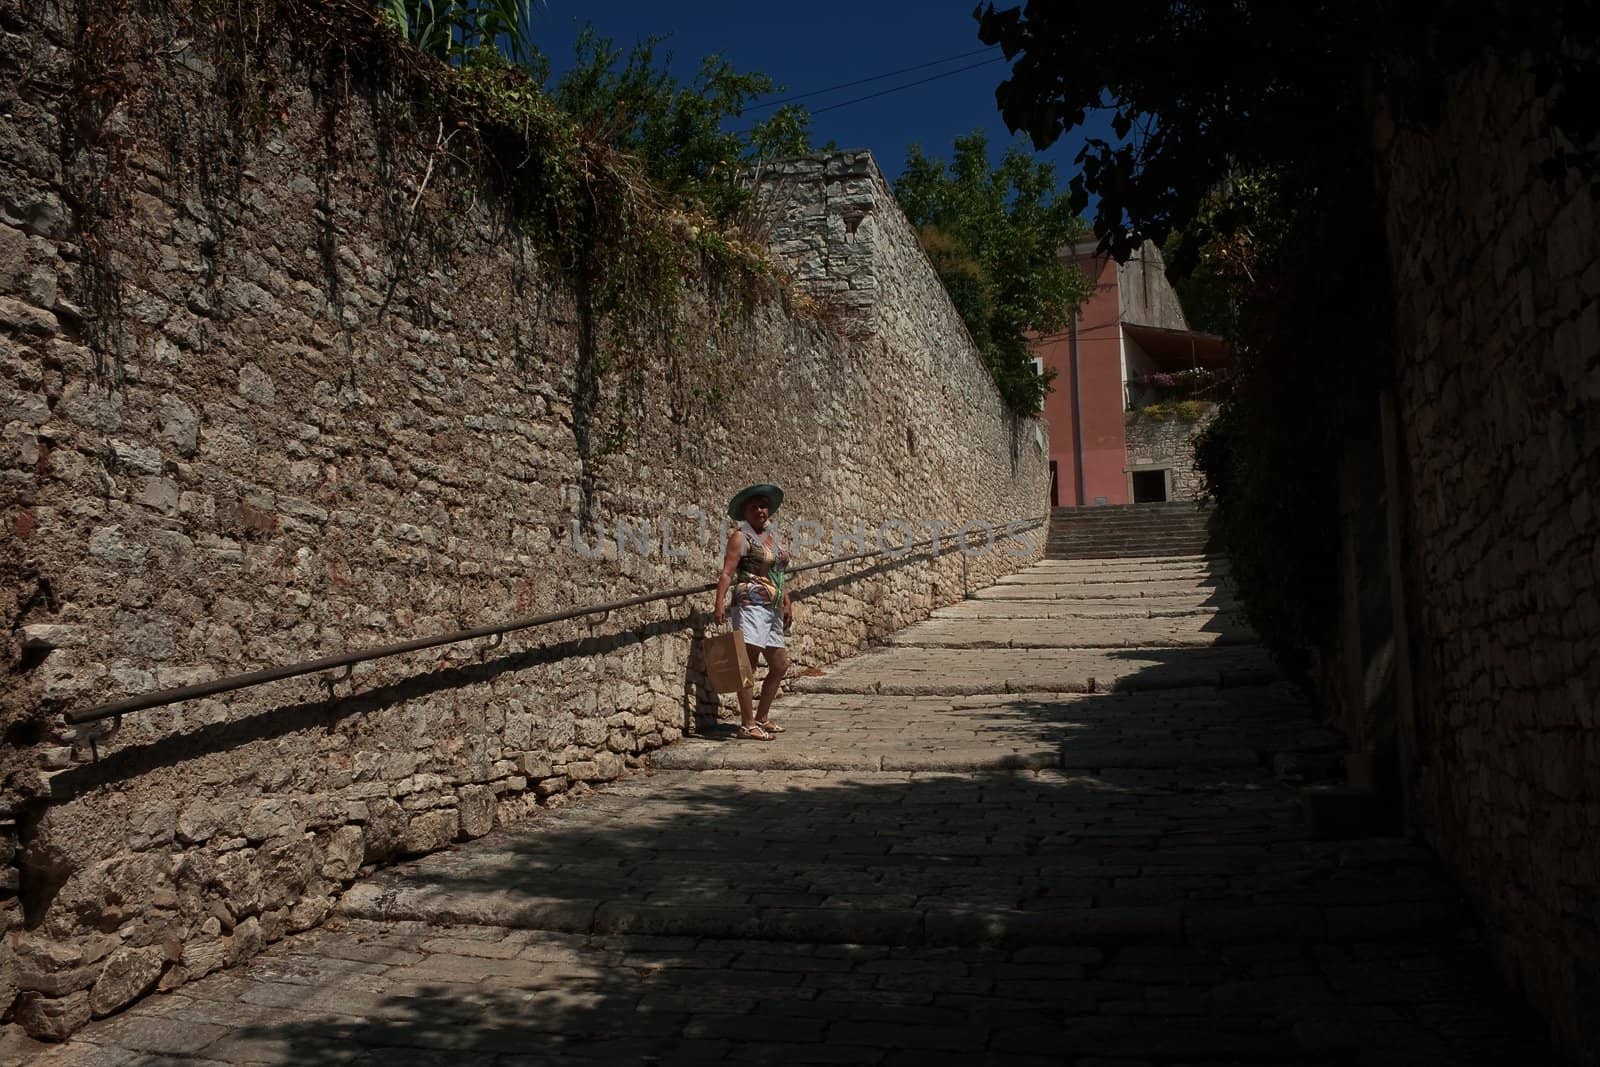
<point x="805" y="47"/>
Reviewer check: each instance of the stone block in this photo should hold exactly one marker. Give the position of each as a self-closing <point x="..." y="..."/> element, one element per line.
<point x="247" y="941"/>
<point x="201" y="957"/>
<point x="129" y="973"/>
<point x="135" y="457"/>
<point x="286" y="868"/>
<point x="180" y="425"/>
<point x="583" y="770"/>
<point x="149" y="827"/>
<point x="430" y="831"/>
<point x="47" y="954"/>
<point x="51" y="1018"/>
<point x="57" y="983"/>
<point x="309" y="912"/>
<point x="199" y="823"/>
<point x="608" y="765"/>
<point x="113" y="546"/>
<point x="274" y="924"/>
<point x="476" y="809"/>
<point x="342" y="853"/>
<point x="239" y="878"/>
<point x="535" y="765"/>
<point x="386" y="829"/>
<point x="25" y="318"/>
<point x="52" y="636"/>
<point x="273" y="817"/>
<point x="438" y="798"/>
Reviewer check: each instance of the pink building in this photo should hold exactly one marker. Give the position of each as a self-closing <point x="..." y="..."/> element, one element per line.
<point x="1131" y="328"/>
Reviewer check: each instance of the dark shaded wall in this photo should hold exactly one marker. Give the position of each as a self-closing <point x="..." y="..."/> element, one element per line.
<point x="1498" y="276"/>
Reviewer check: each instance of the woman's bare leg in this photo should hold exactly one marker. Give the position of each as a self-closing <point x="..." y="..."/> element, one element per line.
<point x="747" y="713"/>
<point x="777" y="665"/>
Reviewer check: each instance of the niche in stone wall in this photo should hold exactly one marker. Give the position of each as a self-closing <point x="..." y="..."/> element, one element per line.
<point x="1150" y="487"/>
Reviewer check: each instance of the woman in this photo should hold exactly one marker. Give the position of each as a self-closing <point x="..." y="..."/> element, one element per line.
<point x="761" y="609"/>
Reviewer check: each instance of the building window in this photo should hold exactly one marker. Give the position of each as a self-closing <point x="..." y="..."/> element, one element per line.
<point x="1038" y="365"/>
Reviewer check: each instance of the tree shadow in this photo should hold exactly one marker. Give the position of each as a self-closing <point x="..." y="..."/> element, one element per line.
<point x="873" y="918"/>
<point x="1162" y="904"/>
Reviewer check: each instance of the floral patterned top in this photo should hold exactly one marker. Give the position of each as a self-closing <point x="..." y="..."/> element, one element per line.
<point x="762" y="569"/>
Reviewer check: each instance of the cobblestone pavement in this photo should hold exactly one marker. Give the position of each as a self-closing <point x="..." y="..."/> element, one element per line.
<point x="948" y="857"/>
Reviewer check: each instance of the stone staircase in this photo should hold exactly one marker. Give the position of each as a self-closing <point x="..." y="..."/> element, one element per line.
<point x="1176" y="528"/>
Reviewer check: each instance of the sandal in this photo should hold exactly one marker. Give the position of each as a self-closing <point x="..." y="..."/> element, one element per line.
<point x="754" y="732"/>
<point x="769" y="726"/>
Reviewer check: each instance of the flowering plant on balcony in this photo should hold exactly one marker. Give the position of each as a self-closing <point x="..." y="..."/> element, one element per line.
<point x="1166" y="387"/>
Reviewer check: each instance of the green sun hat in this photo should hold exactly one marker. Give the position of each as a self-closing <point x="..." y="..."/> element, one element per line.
<point x="773" y="494"/>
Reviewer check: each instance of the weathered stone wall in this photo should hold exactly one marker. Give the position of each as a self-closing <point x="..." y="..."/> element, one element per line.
<point x="262" y="409"/>
<point x="1169" y="444"/>
<point x="1498" y="274"/>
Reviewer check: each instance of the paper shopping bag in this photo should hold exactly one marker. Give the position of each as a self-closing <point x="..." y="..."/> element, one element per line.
<point x="727" y="664"/>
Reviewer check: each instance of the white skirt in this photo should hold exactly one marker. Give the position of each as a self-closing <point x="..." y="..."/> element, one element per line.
<point x="761" y="625"/>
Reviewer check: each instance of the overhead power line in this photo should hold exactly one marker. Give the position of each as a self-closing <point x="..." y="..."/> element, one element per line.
<point x="909" y="85"/>
<point x="864" y="81"/>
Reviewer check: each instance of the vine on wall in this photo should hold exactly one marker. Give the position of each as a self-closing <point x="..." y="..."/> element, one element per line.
<point x="448" y="131"/>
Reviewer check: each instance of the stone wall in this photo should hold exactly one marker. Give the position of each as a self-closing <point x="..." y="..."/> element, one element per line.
<point x="1498" y="276"/>
<point x="1155" y="444"/>
<point x="254" y="412"/>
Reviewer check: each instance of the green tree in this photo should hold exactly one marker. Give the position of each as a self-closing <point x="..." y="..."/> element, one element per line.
<point x="1236" y="237"/>
<point x="1245" y="141"/>
<point x="994" y="235"/>
<point x="1200" y="92"/>
<point x="679" y="132"/>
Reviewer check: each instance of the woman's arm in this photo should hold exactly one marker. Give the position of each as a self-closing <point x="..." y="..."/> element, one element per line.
<point x="730" y="563"/>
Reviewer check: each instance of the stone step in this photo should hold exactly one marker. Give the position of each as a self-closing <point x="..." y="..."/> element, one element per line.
<point x="1090" y="528"/>
<point x="1108" y="572"/>
<point x="1139" y="565"/>
<point x="1134" y="542"/>
<point x="1215" y="599"/>
<point x="909" y="671"/>
<point x="1163" y="507"/>
<point x="1094" y="553"/>
<point x="1084" y="610"/>
<point x="1145" y="534"/>
<point x="1148" y="529"/>
<point x="1133" y="537"/>
<point x="1153" y="583"/>
<point x="1129" y="530"/>
<point x="1194" y="631"/>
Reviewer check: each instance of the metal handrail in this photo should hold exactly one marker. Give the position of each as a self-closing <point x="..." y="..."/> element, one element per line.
<point x="162" y="697"/>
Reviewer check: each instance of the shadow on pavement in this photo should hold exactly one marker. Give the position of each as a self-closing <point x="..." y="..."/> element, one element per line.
<point x="1161" y="905"/>
<point x="758" y="920"/>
